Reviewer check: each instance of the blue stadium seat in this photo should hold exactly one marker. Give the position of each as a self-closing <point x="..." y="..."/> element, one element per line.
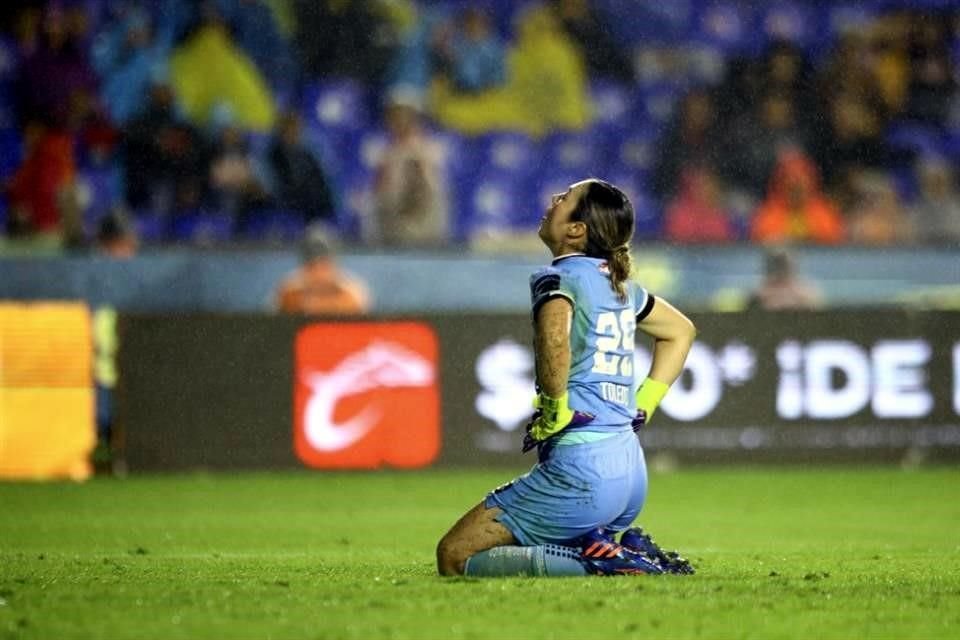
<point x="461" y="209"/>
<point x="725" y="25"/>
<point x="636" y="151"/>
<point x="905" y="182"/>
<point x="502" y="13"/>
<point x="459" y="158"/>
<point x="274" y="226"/>
<point x="334" y="151"/>
<point x="656" y="103"/>
<point x="203" y="228"/>
<point x="707" y="64"/>
<point x="501" y="201"/>
<point x="259" y="143"/>
<point x="337" y="105"/>
<point x="8" y="60"/>
<point x="649" y="216"/>
<point x="951" y="146"/>
<point x="99" y="190"/>
<point x="358" y="152"/>
<point x="11" y="151"/>
<point x="613" y="103"/>
<point x="151" y="227"/>
<point x="792" y="21"/>
<point x="915" y="137"/>
<point x="578" y="153"/>
<point x="459" y="152"/>
<point x="506" y="151"/>
<point x="355" y="204"/>
<point x="848" y="16"/>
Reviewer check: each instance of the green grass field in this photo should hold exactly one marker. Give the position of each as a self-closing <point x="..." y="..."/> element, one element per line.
<point x="823" y="553"/>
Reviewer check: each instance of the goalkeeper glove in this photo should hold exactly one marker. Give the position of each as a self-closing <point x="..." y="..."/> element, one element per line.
<point x="552" y="416"/>
<point x="649" y="395"/>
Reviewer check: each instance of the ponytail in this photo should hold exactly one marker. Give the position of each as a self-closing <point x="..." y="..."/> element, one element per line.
<point x="620" y="266"/>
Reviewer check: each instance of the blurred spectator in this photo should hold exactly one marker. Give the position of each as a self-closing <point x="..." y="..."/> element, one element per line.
<point x="739" y="91"/>
<point x="787" y="73"/>
<point x="877" y="217"/>
<point x="795" y="209"/>
<point x="782" y="287"/>
<point x="696" y="214"/>
<point x="889" y="60"/>
<point x="57" y="71"/>
<point x="352" y="38"/>
<point x="849" y="69"/>
<point x="235" y="184"/>
<point x="22" y="22"/>
<point x="410" y="190"/>
<point x="129" y="55"/>
<point x="885" y="79"/>
<point x="208" y="69"/>
<point x="96" y="140"/>
<point x="583" y="24"/>
<point x="36" y="189"/>
<point x="116" y="237"/>
<point x="753" y="143"/>
<point x="166" y="159"/>
<point x="318" y="286"/>
<point x="546" y="86"/>
<point x="931" y="78"/>
<point x="470" y="54"/>
<point x="300" y="183"/>
<point x="936" y="214"/>
<point x="852" y="141"/>
<point x="413" y="60"/>
<point x="689" y="142"/>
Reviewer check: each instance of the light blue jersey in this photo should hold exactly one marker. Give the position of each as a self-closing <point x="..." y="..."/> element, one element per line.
<point x="601" y="380"/>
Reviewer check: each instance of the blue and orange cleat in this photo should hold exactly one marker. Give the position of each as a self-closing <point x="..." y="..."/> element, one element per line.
<point x="603" y="556"/>
<point x="640" y="542"/>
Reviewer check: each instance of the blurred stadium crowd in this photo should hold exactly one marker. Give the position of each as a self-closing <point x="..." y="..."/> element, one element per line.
<point x="423" y="123"/>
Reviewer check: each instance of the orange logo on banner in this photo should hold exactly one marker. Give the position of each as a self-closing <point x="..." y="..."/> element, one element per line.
<point x="366" y="394"/>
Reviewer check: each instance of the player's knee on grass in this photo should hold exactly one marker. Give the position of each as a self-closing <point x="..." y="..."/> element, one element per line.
<point x="476" y="531"/>
<point x="451" y="557"/>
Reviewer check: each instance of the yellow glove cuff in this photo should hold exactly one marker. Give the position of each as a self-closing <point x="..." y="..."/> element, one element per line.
<point x="555" y="414"/>
<point x="650" y="394"/>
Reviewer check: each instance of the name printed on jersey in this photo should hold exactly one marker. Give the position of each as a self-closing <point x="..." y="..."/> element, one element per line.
<point x="615" y="393"/>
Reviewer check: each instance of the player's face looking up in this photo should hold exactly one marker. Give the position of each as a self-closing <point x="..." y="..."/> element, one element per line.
<point x="558" y="232"/>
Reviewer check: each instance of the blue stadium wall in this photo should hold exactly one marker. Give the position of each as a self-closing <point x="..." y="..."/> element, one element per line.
<point x="243" y="281"/>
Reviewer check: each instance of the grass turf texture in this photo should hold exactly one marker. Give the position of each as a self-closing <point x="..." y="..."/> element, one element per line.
<point x="823" y="553"/>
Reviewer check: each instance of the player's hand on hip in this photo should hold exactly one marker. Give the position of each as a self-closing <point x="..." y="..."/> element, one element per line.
<point x="553" y="415"/>
<point x="639" y="420"/>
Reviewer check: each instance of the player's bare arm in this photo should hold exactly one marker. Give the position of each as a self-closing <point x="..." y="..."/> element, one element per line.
<point x="552" y="346"/>
<point x="673" y="335"/>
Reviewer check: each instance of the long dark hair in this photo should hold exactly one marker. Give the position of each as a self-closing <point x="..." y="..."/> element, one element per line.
<point x="608" y="214"/>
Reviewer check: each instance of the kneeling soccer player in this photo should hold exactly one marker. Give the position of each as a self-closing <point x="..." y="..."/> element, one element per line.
<point x="591" y="478"/>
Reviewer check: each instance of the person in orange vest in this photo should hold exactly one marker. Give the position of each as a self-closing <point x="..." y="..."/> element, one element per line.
<point x="319" y="286"/>
<point x="796" y="210"/>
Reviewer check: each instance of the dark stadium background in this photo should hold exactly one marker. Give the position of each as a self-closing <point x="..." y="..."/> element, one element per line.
<point x="631" y="84"/>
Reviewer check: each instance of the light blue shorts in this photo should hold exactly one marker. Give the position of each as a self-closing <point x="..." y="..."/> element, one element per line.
<point x="577" y="488"/>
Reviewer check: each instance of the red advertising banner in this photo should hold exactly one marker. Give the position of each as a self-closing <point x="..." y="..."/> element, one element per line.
<point x="366" y="395"/>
